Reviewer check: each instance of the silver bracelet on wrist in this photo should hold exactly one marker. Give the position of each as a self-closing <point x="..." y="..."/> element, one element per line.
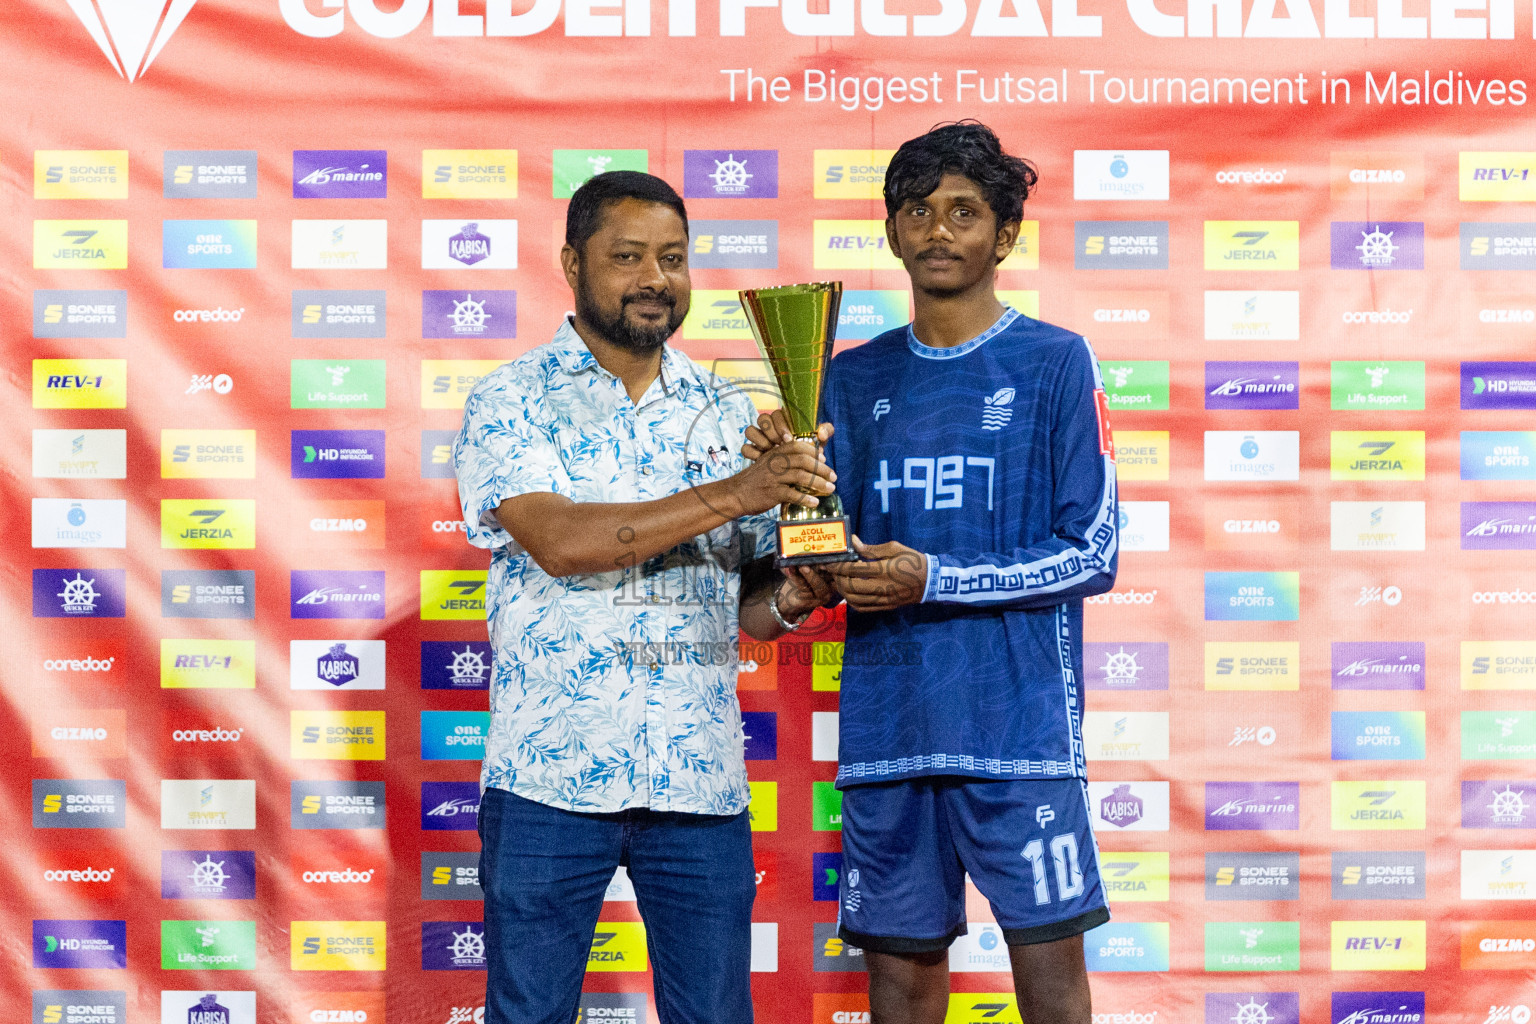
<point x="778" y="616"/>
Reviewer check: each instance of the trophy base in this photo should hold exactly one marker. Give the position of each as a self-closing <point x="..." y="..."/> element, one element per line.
<point x="813" y="542"/>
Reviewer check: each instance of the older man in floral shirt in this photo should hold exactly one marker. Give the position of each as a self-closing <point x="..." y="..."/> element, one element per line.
<point x="628" y="541"/>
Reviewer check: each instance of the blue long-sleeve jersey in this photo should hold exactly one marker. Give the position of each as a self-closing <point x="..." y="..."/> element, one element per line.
<point x="994" y="458"/>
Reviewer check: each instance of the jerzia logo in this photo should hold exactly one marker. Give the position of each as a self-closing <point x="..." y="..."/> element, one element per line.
<point x="132" y="35"/>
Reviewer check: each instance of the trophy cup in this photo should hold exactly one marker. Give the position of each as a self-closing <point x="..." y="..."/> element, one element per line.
<point x="794" y="326"/>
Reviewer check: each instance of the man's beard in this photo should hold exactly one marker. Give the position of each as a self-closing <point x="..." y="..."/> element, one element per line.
<point x="619" y="329"/>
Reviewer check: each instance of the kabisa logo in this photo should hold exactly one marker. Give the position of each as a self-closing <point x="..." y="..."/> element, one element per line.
<point x="338" y="313"/>
<point x="1377" y="1008"/>
<point x="209" y="174"/>
<point x="336" y="664"/>
<point x="454" y="945"/>
<point x="79" y="593"/>
<point x="1378" y="665"/>
<point x="79" y="803"/>
<point x="207" y="874"/>
<point x="1125" y="805"/>
<point x="453" y="594"/>
<point x="199" y="1006"/>
<point x="1376" y="245"/>
<point x="1120" y="245"/>
<point x="80" y="944"/>
<point x="337" y="454"/>
<point x="80" y="1006"/>
<point x="1252" y="245"/>
<point x="336" y="735"/>
<point x="326" y="805"/>
<point x="131" y="36"/>
<point x="337" y="946"/>
<point x="208" y="244"/>
<point x="1126" y="666"/>
<point x="738" y="174"/>
<point x="450" y="806"/>
<point x="469" y="245"/>
<point x="454" y="735"/>
<point x="1269" y="806"/>
<point x="455" y="665"/>
<point x="1231" y="385"/>
<point x="79" y="313"/>
<point x="478" y="313"/>
<point x="340" y="174"/>
<point x="1378" y="875"/>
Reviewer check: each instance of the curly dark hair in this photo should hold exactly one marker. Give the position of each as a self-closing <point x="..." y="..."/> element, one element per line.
<point x="968" y="148"/>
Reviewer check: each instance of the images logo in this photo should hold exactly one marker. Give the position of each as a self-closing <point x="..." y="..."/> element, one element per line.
<point x="1125" y="666"/>
<point x="1378" y="875"/>
<point x="79" y="383"/>
<point x="1136" y="385"/>
<point x="338" y="313"/>
<point x="325" y="805"/>
<point x="1397" y="804"/>
<point x="209" y="174"/>
<point x="1129" y="946"/>
<point x="79" y="313"/>
<point x="849" y="173"/>
<point x="1252" y="455"/>
<point x="455" y="665"/>
<point x="79" y="593"/>
<point x="479" y="313"/>
<point x="340" y="174"/>
<point x="469" y="174"/>
<point x="337" y="946"/>
<point x="208" y="244"/>
<point x="451" y="876"/>
<point x="86" y="523"/>
<point x="340" y="244"/>
<point x="1378" y="946"/>
<point x="207" y="594"/>
<point x="1252" y="596"/>
<point x="1120" y="245"/>
<point x="207" y="523"/>
<point x="1252" y="876"/>
<point x="1143" y="524"/>
<point x="469" y="245"/>
<point x="448" y="594"/>
<point x="337" y="454"/>
<point x="336" y="735"/>
<point x="454" y="735"/>
<point x="449" y="806"/>
<point x="79" y="803"/>
<point x="207" y="875"/>
<point x="1252" y="665"/>
<point x="733" y="244"/>
<point x="1252" y="385"/>
<point x="1141" y="454"/>
<point x="1137" y="174"/>
<point x="851" y="245"/>
<point x="80" y="944"/>
<point x="207" y="664"/>
<point x="1498" y="454"/>
<point x="1376" y="245"/>
<point x="1252" y="244"/>
<point x="1498" y="526"/>
<point x="336" y="664"/>
<point x="1378" y="735"/>
<point x="738" y="174"/>
<point x="208" y="454"/>
<point x="1390" y="665"/>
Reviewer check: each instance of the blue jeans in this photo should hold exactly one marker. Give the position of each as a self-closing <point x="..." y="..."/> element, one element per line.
<point x="545" y="870"/>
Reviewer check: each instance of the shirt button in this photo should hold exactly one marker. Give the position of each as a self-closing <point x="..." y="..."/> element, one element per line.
<point x="645" y="470"/>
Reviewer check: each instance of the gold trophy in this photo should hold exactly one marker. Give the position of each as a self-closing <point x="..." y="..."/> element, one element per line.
<point x="795" y="326"/>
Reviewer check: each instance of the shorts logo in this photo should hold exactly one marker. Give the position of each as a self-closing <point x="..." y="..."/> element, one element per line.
<point x="338" y="313"/>
<point x="79" y="593"/>
<point x="1252" y="245"/>
<point x="1129" y="946"/>
<point x="454" y="735"/>
<point x="1395" y="804"/>
<point x="1376" y="245"/>
<point x="340" y="174"/>
<point x="79" y="383"/>
<point x="209" y="244"/>
<point x="1241" y="806"/>
<point x="207" y="804"/>
<point x="1500" y="245"/>
<point x="337" y="454"/>
<point x="571" y="168"/>
<point x="1378" y="875"/>
<point x="327" y="805"/>
<point x="455" y="665"/>
<point x="738" y="244"/>
<point x="852" y="245"/>
<point x="738" y="174"/>
<point x="469" y="245"/>
<point x="209" y="174"/>
<point x="336" y="735"/>
<point x="79" y="803"/>
<point x="337" y="946"/>
<point x="469" y="174"/>
<point x="1252" y="876"/>
<point x="1120" y="245"/>
<point x="340" y="244"/>
<point x="477" y="313"/>
<point x="79" y="313"/>
<point x="1252" y="385"/>
<point x="1125" y="666"/>
<point x="449" y="806"/>
<point x="1378" y="946"/>
<point x="849" y="173"/>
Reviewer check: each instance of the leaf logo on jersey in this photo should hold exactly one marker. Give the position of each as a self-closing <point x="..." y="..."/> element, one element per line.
<point x="995" y="411"/>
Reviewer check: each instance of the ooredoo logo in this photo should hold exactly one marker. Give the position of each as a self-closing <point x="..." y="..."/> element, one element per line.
<point x="336" y="873"/>
<point x="87" y="872"/>
<point x="217" y="315"/>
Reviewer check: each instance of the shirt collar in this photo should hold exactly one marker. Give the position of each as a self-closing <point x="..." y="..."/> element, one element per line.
<point x="929" y="352"/>
<point x="574" y="357"/>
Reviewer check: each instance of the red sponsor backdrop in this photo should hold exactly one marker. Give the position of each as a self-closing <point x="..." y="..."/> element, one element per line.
<point x="1078" y="80"/>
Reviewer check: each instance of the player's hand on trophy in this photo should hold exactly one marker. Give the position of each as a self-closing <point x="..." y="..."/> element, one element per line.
<point x="774" y="429"/>
<point x="784" y="473"/>
<point x="886" y="576"/>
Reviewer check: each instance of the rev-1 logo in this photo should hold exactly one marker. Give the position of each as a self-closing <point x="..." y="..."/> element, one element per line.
<point x="940" y="479"/>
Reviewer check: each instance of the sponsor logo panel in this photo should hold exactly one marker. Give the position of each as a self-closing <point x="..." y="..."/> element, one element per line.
<point x="1127" y="946"/>
<point x="331" y="873"/>
<point x="79" y="945"/>
<point x="446" y="383"/>
<point x="1136" y="385"/>
<point x="199" y="1006"/>
<point x="1377" y="385"/>
<point x="454" y="735"/>
<point x="1389" y="804"/>
<point x="1377" y="1008"/>
<point x="830" y="953"/>
<point x="1244" y="806"/>
<point x="347" y="805"/>
<point x="1123" y="315"/>
<point x="204" y="735"/>
<point x="1376" y="525"/>
<point x="339" y="524"/>
<point x="622" y="1007"/>
<point x="336" y="454"/>
<point x="79" y="313"/>
<point x="1143" y="526"/>
<point x="336" y="383"/>
<point x="437" y="454"/>
<point x="1252" y="316"/>
<point x="618" y="946"/>
<point x="456" y="665"/>
<point x="1378" y="735"/>
<point x="451" y="876"/>
<point x="337" y="946"/>
<point x="1252" y="596"/>
<point x="340" y="244"/>
<point x="207" y="874"/>
<point x="1498" y="316"/>
<point x="1498" y="874"/>
<point x="453" y="594"/>
<point x="79" y="593"/>
<point x="760" y="733"/>
<point x="347" y="1007"/>
<point x="80" y="174"/>
<point x="80" y="454"/>
<point x="336" y="735"/>
<point x="89" y="874"/>
<point x="336" y="664"/>
<point x="1498" y="735"/>
<point x="1252" y="665"/>
<point x="1252" y="385"/>
<point x="1498" y="804"/>
<point x="763" y="807"/>
<point x="849" y="173"/>
<point x="455" y="945"/>
<point x="208" y="454"/>
<point x="207" y="593"/>
<point x="1125" y="735"/>
<point x="80" y="732"/>
<point x="83" y="523"/>
<point x="1125" y="666"/>
<point x="469" y="245"/>
<point x="469" y="174"/>
<point x="1131" y="877"/>
<point x="1141" y="454"/>
<point x="1129" y="806"/>
<point x="79" y="803"/>
<point x="841" y="1008"/>
<point x="865" y="313"/>
<point x="851" y="245"/>
<point x="1252" y="455"/>
<point x="207" y="523"/>
<point x="1269" y="1007"/>
<point x="1375" y="175"/>
<point x="79" y="383"/>
<point x="1498" y="454"/>
<point x="1252" y="946"/>
<point x="1378" y="665"/>
<point x="208" y="244"/>
<point x="1271" y="524"/>
<point x="476" y="313"/>
<point x="1498" y="946"/>
<point x="1119" y="175"/>
<point x="450" y="806"/>
<point x="340" y="174"/>
<point x="1498" y="245"/>
<point x="1120" y="245"/>
<point x="209" y="174"/>
<point x="338" y="313"/>
<point x="207" y="803"/>
<point x="1498" y="665"/>
<point x="1496" y="177"/>
<point x="1378" y="945"/>
<point x="79" y="1006"/>
<point x="1252" y="876"/>
<point x="1498" y="526"/>
<point x="1376" y="455"/>
<point x="1498" y="385"/>
<point x="737" y="244"/>
<point x="207" y="945"/>
<point x="734" y="174"/>
<point x="1378" y="875"/>
<point x="572" y="167"/>
<point x="1252" y="244"/>
<point x="79" y="244"/>
<point x="1376" y="245"/>
<point x="715" y="314"/>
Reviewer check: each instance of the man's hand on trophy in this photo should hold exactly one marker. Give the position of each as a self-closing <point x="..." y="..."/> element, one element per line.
<point x="773" y="429"/>
<point x="784" y="474"/>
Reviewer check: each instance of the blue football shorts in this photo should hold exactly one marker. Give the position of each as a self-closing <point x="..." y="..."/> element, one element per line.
<point x="907" y="846"/>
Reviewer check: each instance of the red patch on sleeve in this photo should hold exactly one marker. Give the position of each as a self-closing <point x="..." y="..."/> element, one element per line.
<point x="1101" y="410"/>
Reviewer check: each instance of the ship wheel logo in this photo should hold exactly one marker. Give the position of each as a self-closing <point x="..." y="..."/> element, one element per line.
<point x="1120" y="667"/>
<point x="1252" y="1012"/>
<point x="468" y="945"/>
<point x="1508" y="805"/>
<point x="730" y="175"/>
<point x="209" y="874"/>
<point x="467" y="666"/>
<point x="79" y="594"/>
<point x="468" y="316"/>
<point x="1376" y="246"/>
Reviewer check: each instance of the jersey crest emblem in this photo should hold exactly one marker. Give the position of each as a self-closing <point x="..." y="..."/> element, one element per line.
<point x="996" y="411"/>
